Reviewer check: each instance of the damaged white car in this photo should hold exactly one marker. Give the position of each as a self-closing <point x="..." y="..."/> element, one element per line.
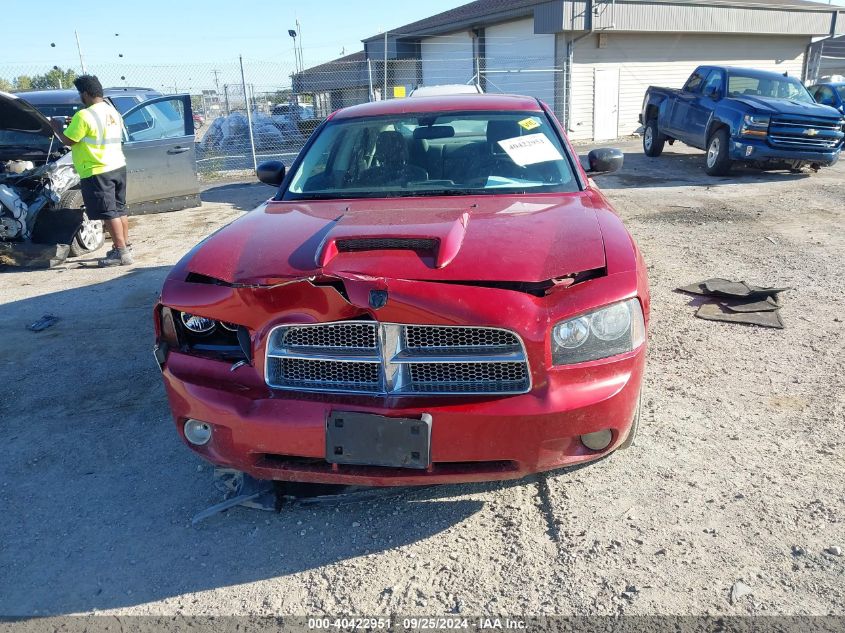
<point x="42" y="215"/>
<point x="38" y="199"/>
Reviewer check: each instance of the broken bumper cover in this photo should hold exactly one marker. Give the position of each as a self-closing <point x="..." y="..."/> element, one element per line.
<point x="762" y="151"/>
<point x="282" y="436"/>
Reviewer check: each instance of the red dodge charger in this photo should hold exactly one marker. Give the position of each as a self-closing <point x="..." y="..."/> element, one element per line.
<point x="436" y="293"/>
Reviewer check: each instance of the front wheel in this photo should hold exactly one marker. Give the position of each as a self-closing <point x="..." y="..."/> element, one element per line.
<point x="718" y="161"/>
<point x="653" y="140"/>
<point x="90" y="235"/>
<point x="88" y="238"/>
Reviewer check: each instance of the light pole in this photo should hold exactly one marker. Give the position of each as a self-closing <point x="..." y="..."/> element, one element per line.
<point x="79" y="49"/>
<point x="296" y="56"/>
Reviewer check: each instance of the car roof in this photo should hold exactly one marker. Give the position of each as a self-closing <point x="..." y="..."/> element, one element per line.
<point x="835" y="84"/>
<point x="50" y="97"/>
<point x="450" y="103"/>
<point x="755" y="72"/>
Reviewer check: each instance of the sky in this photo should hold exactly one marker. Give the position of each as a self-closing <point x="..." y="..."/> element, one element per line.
<point x="175" y="44"/>
<point x="182" y="32"/>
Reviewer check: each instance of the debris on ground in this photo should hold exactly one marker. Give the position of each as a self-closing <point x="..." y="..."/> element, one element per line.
<point x="834" y="550"/>
<point x="738" y="302"/>
<point x="43" y="323"/>
<point x="240" y="489"/>
<point x="740" y="590"/>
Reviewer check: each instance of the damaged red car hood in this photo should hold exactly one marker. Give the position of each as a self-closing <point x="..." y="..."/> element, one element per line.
<point x="483" y="238"/>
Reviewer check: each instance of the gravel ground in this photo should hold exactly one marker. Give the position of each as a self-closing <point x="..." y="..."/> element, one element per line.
<point x="737" y="474"/>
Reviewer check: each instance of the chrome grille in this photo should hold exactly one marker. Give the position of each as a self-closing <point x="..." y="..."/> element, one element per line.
<point x="340" y="335"/>
<point x="432" y="337"/>
<point x="805" y="133"/>
<point x="309" y="374"/>
<point x="392" y="358"/>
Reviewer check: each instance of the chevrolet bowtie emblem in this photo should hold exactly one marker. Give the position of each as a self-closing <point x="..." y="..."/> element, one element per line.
<point x="811" y="132"/>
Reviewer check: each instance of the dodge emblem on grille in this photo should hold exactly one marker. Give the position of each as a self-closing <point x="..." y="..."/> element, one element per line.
<point x="811" y="132"/>
<point x="378" y="298"/>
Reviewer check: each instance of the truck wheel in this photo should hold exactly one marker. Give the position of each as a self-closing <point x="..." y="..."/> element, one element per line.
<point x="718" y="163"/>
<point x="653" y="140"/>
<point x="90" y="235"/>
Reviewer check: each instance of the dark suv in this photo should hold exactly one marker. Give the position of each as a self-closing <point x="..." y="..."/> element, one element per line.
<point x="66" y="102"/>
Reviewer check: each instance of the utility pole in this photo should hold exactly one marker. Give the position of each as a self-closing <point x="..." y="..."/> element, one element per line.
<point x="79" y="48"/>
<point x="216" y="72"/>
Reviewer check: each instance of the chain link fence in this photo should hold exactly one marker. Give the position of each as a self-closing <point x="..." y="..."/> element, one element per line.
<point x="248" y="111"/>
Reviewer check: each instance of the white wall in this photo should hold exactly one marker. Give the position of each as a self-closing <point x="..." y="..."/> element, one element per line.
<point x="513" y="46"/>
<point x="667" y="60"/>
<point x="447" y="59"/>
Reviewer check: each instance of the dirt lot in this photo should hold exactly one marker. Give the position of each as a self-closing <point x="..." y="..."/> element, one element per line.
<point x="737" y="474"/>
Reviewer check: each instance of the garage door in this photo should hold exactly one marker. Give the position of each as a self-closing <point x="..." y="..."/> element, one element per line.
<point x="665" y="60"/>
<point x="447" y="59"/>
<point x="520" y="62"/>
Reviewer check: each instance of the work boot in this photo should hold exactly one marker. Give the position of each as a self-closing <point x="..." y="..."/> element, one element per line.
<point x="113" y="250"/>
<point x="119" y="257"/>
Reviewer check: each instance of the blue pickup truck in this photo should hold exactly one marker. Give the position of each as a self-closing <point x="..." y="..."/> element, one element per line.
<point x="761" y="118"/>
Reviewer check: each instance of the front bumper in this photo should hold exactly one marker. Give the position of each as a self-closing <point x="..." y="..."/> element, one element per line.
<point x="281" y="436"/>
<point x="762" y="151"/>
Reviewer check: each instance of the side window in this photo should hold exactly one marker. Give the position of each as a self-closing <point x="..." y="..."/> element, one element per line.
<point x="157" y="120"/>
<point x="714" y="82"/>
<point x="825" y="96"/>
<point x="694" y="82"/>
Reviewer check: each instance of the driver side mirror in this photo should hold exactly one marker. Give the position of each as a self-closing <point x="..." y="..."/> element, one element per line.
<point x="713" y="93"/>
<point x="271" y="172"/>
<point x="605" y="160"/>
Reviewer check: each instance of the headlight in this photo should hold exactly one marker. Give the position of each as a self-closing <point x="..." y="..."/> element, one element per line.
<point x="197" y="324"/>
<point x="611" y="330"/>
<point x="755" y="120"/>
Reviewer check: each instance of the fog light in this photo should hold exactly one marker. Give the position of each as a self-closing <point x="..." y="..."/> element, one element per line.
<point x="197" y="433"/>
<point x="597" y="441"/>
<point x="749" y="150"/>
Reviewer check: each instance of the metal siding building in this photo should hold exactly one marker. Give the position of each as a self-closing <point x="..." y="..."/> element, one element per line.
<point x="592" y="61"/>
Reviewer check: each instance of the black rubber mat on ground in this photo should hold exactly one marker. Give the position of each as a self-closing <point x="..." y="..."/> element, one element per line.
<point x="738" y="302"/>
<point x="718" y="287"/>
<point x="719" y="312"/>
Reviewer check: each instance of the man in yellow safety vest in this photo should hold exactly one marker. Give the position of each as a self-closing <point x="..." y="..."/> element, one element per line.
<point x="95" y="134"/>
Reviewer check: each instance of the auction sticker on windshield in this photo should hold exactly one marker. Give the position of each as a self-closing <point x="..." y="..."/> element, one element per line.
<point x="531" y="149"/>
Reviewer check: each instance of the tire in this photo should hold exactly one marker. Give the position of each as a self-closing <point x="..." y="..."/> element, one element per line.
<point x="653" y="140"/>
<point x="718" y="162"/>
<point x="90" y="235"/>
<point x="635" y="426"/>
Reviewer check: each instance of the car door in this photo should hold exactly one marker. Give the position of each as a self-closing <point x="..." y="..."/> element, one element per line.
<point x="161" y="162"/>
<point x="679" y="119"/>
<point x="701" y="108"/>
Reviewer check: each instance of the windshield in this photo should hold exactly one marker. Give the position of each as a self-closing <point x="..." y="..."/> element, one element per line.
<point x="840" y="90"/>
<point x="444" y="153"/>
<point x="59" y="109"/>
<point x="740" y="85"/>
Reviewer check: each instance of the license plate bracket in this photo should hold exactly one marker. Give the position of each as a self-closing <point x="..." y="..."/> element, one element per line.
<point x="367" y="439"/>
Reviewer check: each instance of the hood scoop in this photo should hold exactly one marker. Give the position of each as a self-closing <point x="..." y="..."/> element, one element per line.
<point x="351" y="245"/>
<point x="442" y="248"/>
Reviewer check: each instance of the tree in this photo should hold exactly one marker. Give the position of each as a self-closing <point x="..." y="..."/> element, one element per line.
<point x="6" y="85"/>
<point x="54" y="78"/>
<point x="22" y="82"/>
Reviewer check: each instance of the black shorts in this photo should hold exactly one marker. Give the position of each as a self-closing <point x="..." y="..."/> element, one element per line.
<point x="105" y="195"/>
